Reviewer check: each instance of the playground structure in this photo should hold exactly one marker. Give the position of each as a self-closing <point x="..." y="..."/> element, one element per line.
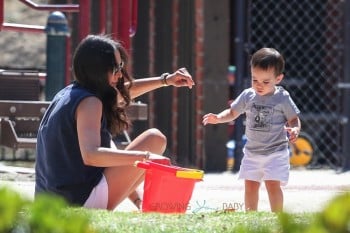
<point x="123" y="18"/>
<point x="21" y="105"/>
<point x="187" y="33"/>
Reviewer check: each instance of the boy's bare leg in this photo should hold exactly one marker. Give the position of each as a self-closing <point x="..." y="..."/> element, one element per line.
<point x="251" y="195"/>
<point x="275" y="195"/>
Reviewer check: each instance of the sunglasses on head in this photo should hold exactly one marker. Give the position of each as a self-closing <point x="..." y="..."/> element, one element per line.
<point x="118" y="68"/>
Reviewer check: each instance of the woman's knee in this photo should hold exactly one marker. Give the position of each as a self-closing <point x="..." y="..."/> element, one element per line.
<point x="156" y="135"/>
<point x="156" y="140"/>
<point x="151" y="140"/>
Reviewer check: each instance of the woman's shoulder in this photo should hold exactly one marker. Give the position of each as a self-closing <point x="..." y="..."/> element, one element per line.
<point x="76" y="87"/>
<point x="91" y="101"/>
<point x="87" y="99"/>
<point x="79" y="92"/>
<point x="73" y="94"/>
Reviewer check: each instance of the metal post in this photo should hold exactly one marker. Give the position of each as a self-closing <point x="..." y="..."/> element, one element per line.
<point x="240" y="66"/>
<point x="346" y="91"/>
<point x="57" y="31"/>
<point x="134" y="13"/>
<point x="124" y="23"/>
<point x="1" y="13"/>
<point x="84" y="18"/>
<point x="102" y="17"/>
<point x="115" y="19"/>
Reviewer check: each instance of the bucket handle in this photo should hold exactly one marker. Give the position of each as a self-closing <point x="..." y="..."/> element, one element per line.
<point x="190" y="174"/>
<point x="141" y="164"/>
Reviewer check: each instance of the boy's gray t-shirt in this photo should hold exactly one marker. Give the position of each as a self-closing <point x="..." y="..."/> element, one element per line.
<point x="266" y="117"/>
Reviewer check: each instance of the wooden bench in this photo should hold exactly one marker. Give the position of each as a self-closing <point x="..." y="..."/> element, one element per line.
<point x="19" y="122"/>
<point x="20" y="85"/>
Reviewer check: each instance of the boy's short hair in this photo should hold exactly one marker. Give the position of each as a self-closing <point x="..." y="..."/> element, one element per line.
<point x="267" y="58"/>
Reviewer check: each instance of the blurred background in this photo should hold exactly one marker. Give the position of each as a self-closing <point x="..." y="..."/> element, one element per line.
<point x="214" y="41"/>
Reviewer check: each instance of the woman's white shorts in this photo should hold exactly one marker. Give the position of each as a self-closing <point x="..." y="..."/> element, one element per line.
<point x="98" y="198"/>
<point x="259" y="168"/>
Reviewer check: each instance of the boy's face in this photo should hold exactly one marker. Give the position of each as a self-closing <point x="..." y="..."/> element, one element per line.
<point x="264" y="81"/>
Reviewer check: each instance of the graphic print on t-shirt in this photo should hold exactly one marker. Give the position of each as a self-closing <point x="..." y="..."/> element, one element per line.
<point x="262" y="117"/>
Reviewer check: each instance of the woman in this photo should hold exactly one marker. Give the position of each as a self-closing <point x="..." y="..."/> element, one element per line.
<point x="76" y="158"/>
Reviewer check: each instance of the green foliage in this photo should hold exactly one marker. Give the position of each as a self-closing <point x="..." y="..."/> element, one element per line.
<point x="291" y="224"/>
<point x="240" y="222"/>
<point x="336" y="216"/>
<point x="52" y="214"/>
<point x="10" y="205"/>
<point x="49" y="214"/>
<point x="45" y="214"/>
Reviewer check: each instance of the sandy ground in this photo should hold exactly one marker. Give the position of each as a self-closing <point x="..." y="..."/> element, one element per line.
<point x="307" y="190"/>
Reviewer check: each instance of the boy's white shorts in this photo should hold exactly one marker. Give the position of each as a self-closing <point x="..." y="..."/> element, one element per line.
<point x="98" y="198"/>
<point x="259" y="168"/>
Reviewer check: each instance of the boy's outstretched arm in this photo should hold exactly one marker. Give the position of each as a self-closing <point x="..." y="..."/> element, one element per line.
<point x="225" y="116"/>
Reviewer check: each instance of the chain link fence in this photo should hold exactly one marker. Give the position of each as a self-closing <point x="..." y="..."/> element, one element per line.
<point x="310" y="36"/>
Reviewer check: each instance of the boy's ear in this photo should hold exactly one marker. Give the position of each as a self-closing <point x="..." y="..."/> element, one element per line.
<point x="279" y="78"/>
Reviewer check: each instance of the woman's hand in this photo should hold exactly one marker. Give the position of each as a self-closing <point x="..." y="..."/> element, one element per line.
<point x="159" y="159"/>
<point x="180" y="78"/>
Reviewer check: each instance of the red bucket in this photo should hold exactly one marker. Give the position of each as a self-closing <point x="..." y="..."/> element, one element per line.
<point x="168" y="189"/>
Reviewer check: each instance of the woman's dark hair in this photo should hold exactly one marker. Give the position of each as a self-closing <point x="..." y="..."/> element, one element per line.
<point x="93" y="59"/>
<point x="267" y="58"/>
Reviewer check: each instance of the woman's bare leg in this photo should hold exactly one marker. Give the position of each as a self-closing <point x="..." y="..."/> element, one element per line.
<point x="123" y="180"/>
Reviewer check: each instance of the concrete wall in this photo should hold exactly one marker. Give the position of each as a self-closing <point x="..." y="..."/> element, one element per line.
<point x="215" y="89"/>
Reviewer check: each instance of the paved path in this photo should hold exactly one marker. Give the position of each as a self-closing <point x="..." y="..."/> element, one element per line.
<point x="307" y="191"/>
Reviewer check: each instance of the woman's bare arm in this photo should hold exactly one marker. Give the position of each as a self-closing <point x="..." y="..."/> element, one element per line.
<point x="88" y="116"/>
<point x="180" y="78"/>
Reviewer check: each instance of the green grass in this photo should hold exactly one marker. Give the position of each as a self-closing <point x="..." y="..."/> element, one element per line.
<point x="52" y="214"/>
<point x="104" y="221"/>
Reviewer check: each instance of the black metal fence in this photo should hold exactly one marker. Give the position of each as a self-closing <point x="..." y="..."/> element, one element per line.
<point x="310" y="35"/>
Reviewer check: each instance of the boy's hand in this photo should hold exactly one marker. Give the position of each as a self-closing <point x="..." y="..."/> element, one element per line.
<point x="210" y="118"/>
<point x="293" y="133"/>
